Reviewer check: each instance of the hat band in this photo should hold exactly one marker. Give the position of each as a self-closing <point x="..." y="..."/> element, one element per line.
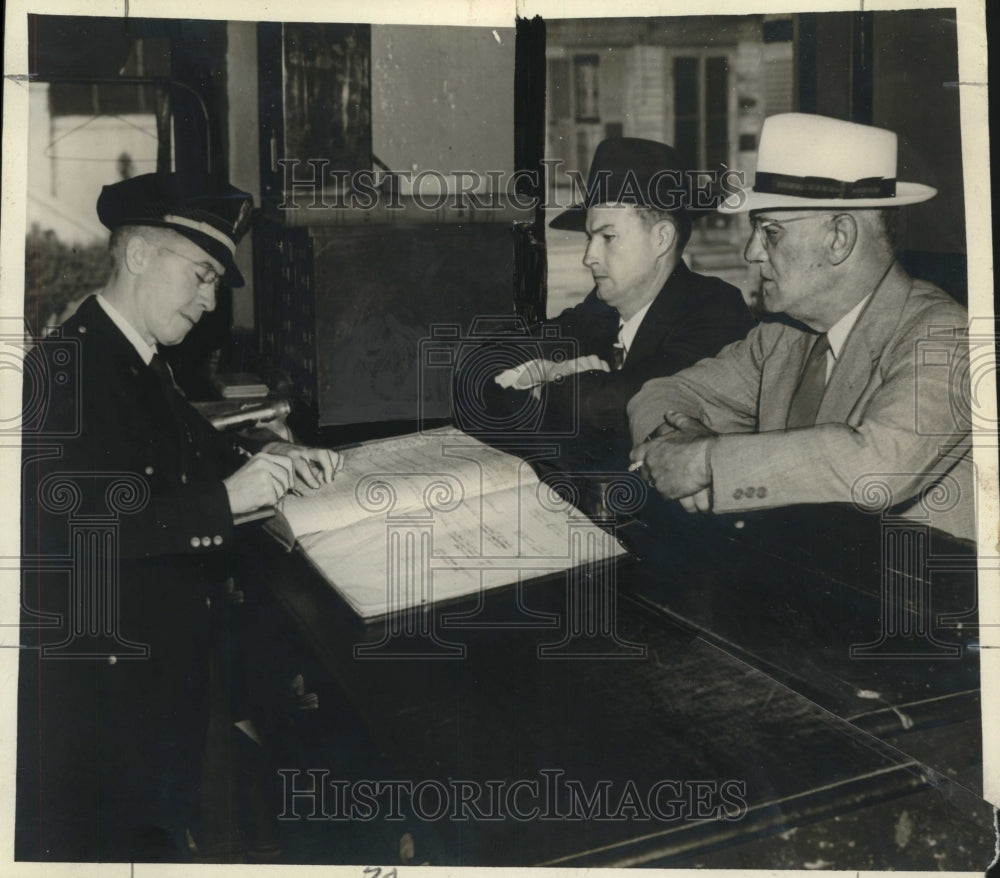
<point x="204" y="228"/>
<point x="824" y="187"/>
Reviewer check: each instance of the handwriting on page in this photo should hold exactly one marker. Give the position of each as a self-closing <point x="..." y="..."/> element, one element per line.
<point x="417" y="519"/>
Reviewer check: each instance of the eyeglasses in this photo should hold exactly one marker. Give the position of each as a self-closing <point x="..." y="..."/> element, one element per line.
<point x="206" y="275"/>
<point x="772" y="228"/>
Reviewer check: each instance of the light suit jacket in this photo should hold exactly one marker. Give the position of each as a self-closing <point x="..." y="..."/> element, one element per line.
<point x="892" y="433"/>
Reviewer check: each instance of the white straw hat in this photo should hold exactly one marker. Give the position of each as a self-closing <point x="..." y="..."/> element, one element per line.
<point x="810" y="161"/>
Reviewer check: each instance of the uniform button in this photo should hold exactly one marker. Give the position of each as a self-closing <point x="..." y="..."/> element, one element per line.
<point x="739" y="524"/>
<point x="217" y="540"/>
<point x="208" y="603"/>
<point x="82" y="329"/>
<point x="149" y="470"/>
<point x="184" y="478"/>
<point x="195" y="542"/>
<point x="750" y="492"/>
<point x="112" y="659"/>
<point x="762" y="492"/>
<point x="738" y="494"/>
<point x="206" y="541"/>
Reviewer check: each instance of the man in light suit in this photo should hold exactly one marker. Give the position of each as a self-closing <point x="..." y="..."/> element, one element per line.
<point x="836" y="404"/>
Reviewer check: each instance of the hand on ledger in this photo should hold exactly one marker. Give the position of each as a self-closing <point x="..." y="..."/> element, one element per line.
<point x="313" y="467"/>
<point x="261" y="481"/>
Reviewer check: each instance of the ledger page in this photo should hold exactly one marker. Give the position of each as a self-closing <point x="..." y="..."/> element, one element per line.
<point x="426" y="517"/>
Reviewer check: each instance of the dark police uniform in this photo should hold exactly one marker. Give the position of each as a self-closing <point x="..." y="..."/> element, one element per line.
<point x="117" y="738"/>
<point x="126" y="536"/>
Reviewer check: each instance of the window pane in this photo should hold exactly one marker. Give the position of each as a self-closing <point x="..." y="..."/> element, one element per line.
<point x="716" y="141"/>
<point x="558" y="88"/>
<point x="586" y="73"/>
<point x="685" y="86"/>
<point x="716" y="85"/>
<point x="686" y="128"/>
<point x="686" y="141"/>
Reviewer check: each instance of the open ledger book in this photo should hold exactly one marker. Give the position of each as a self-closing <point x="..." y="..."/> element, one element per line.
<point x="427" y="517"/>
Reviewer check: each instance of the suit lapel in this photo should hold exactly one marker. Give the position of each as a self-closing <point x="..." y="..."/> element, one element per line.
<point x="779" y="380"/>
<point x="127" y="370"/>
<point x="118" y="351"/>
<point x="593" y="323"/>
<point x="661" y="315"/>
<point x="863" y="349"/>
<point x="606" y="332"/>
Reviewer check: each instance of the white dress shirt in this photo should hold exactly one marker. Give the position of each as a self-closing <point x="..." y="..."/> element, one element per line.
<point x="837" y="334"/>
<point x="627" y="329"/>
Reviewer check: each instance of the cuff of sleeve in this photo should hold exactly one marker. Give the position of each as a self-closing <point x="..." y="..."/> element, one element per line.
<point x="522" y="377"/>
<point x="738" y="486"/>
<point x="211" y="527"/>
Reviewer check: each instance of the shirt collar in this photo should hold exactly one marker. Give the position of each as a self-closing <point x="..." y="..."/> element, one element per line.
<point x="837" y="334"/>
<point x="627" y="329"/>
<point x="144" y="350"/>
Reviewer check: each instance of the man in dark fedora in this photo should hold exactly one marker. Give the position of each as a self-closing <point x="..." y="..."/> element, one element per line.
<point x="140" y="494"/>
<point x="848" y="401"/>
<point x="648" y="314"/>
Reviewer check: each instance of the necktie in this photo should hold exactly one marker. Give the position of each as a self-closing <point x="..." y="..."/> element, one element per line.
<point x="617" y="357"/>
<point x="172" y="399"/>
<point x="618" y="350"/>
<point x="808" y="395"/>
<point x="165" y="380"/>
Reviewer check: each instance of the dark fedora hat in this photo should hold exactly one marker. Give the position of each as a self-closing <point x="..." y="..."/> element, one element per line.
<point x="631" y="170"/>
<point x="213" y="215"/>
